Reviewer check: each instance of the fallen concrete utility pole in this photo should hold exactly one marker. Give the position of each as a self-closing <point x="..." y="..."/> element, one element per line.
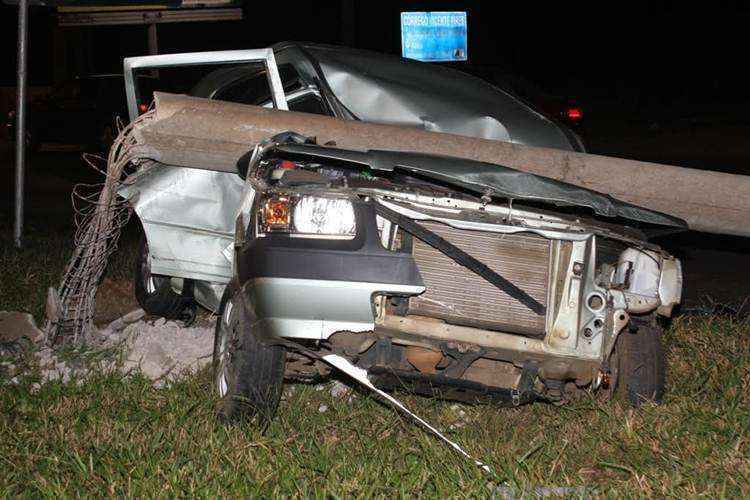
<point x="189" y="131"/>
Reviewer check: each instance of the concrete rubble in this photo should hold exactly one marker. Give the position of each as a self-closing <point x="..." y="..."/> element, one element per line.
<point x="160" y="350"/>
<point x="15" y="326"/>
<point x="340" y="390"/>
<point x="164" y="350"/>
<point x="459" y="416"/>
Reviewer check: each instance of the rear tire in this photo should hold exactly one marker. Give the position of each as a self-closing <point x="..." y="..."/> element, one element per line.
<point x="638" y="364"/>
<point x="248" y="373"/>
<point x="154" y="292"/>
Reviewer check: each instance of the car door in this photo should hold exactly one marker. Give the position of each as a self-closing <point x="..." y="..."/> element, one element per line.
<point x="132" y="65"/>
<point x="188" y="215"/>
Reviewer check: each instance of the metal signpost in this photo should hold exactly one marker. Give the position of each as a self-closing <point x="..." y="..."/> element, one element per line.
<point x="93" y="13"/>
<point x="23" y="14"/>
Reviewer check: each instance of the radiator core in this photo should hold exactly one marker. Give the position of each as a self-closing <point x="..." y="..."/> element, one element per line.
<point x="459" y="296"/>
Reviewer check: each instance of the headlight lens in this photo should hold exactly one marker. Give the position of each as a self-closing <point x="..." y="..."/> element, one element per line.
<point x="324" y="216"/>
<point x="308" y="216"/>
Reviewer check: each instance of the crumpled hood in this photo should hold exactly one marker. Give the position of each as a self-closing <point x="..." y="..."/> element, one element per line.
<point x="487" y="178"/>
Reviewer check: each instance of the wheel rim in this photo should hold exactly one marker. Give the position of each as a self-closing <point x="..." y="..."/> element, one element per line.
<point x="225" y="329"/>
<point x="146" y="277"/>
<point x="150" y="285"/>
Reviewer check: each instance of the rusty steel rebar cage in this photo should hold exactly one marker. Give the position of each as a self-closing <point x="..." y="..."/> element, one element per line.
<point x="99" y="216"/>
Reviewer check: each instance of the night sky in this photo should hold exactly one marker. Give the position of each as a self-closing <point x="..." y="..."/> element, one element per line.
<point x="630" y="55"/>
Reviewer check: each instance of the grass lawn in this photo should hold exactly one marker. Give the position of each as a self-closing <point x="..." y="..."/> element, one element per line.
<point x="114" y="435"/>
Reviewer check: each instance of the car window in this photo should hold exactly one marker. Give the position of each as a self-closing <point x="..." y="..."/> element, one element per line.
<point x="244" y="84"/>
<point x="247" y="90"/>
<point x="308" y="103"/>
<point x="147" y="84"/>
<point x="253" y="88"/>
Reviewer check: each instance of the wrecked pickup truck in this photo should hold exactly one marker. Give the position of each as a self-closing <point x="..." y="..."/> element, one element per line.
<point x="194" y="239"/>
<point x="450" y="277"/>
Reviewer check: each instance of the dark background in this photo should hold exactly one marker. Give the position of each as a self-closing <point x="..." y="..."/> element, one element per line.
<point x="633" y="66"/>
<point x="658" y="81"/>
<point x="629" y="55"/>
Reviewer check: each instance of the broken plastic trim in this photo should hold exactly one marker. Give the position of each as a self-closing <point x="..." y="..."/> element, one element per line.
<point x="360" y="376"/>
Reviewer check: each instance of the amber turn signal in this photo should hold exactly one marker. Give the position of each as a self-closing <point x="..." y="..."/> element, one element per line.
<point x="276" y="214"/>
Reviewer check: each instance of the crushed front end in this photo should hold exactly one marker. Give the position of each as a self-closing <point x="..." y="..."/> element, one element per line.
<point x="430" y="274"/>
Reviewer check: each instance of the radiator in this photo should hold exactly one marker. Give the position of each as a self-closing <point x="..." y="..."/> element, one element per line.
<point x="461" y="297"/>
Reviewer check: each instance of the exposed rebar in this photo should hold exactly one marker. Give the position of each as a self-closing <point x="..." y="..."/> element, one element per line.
<point x="99" y="215"/>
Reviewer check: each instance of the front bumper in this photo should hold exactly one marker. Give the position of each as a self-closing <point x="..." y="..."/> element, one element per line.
<point x="315" y="309"/>
<point x="312" y="288"/>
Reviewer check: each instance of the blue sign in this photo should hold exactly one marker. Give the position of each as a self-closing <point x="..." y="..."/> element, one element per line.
<point x="434" y="36"/>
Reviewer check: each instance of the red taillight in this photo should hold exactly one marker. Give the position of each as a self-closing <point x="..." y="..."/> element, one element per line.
<point x="142" y="108"/>
<point x="574" y="114"/>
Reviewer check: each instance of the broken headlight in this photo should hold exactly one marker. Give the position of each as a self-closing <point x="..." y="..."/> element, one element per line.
<point x="325" y="216"/>
<point x="308" y="216"/>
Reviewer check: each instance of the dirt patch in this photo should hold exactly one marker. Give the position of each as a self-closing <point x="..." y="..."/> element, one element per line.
<point x="114" y="298"/>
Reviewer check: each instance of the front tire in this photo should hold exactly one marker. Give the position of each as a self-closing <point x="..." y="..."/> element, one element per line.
<point x="638" y="365"/>
<point x="154" y="292"/>
<point x="248" y="373"/>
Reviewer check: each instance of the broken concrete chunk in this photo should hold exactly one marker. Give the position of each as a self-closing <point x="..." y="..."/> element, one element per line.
<point x="165" y="349"/>
<point x="15" y="326"/>
<point x="340" y="389"/>
<point x="52" y="307"/>
<point x="161" y="351"/>
<point x="120" y="323"/>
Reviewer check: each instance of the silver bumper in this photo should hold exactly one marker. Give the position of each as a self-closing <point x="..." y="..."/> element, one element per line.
<point x="315" y="309"/>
